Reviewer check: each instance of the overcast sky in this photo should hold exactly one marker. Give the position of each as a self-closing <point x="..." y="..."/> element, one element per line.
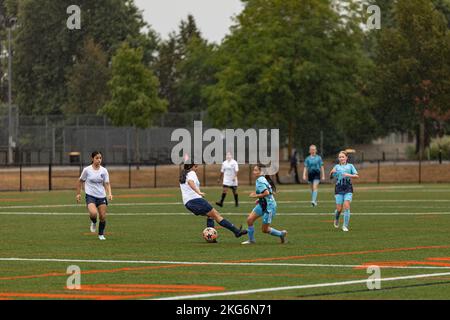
<point x="213" y="16"/>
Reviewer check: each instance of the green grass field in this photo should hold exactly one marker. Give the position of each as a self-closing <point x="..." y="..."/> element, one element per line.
<point x="154" y="247"/>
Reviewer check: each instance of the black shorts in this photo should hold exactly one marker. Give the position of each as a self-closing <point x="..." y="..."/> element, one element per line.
<point x="313" y="175"/>
<point x="199" y="207"/>
<point x="97" y="201"/>
<point x="234" y="188"/>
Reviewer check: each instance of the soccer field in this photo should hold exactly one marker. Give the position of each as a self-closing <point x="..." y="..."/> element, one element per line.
<point x="154" y="247"/>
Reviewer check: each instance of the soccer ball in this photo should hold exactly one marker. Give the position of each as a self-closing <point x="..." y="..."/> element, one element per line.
<point x="210" y="234"/>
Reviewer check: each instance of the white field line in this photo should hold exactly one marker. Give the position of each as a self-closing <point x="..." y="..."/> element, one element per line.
<point x="308" y="286"/>
<point x="199" y="263"/>
<point x="141" y="204"/>
<point x="296" y="214"/>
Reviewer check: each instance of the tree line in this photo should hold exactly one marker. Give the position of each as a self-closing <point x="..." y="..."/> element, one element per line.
<point x="298" y="65"/>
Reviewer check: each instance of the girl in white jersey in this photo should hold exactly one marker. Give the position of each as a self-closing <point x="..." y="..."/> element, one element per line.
<point x="194" y="202"/>
<point x="229" y="171"/>
<point x="96" y="185"/>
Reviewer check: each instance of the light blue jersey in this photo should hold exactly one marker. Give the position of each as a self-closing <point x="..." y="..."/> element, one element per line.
<point x="313" y="164"/>
<point x="267" y="206"/>
<point x="344" y="184"/>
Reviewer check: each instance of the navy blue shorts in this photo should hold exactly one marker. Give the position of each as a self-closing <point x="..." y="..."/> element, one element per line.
<point x="97" y="201"/>
<point x="313" y="176"/>
<point x="199" y="207"/>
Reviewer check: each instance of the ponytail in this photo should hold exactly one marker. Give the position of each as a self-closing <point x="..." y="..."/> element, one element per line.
<point x="184" y="172"/>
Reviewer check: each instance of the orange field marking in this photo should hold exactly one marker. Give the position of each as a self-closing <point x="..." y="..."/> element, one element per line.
<point x="340" y="254"/>
<point x="45" y="275"/>
<point x="434" y="262"/>
<point x="150" y="288"/>
<point x="71" y="296"/>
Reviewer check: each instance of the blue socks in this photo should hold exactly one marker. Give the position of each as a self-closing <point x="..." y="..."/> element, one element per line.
<point x="210" y="223"/>
<point x="251" y="233"/>
<point x="336" y="215"/>
<point x="346" y="217"/>
<point x="314" y="196"/>
<point x="228" y="225"/>
<point x="275" y="233"/>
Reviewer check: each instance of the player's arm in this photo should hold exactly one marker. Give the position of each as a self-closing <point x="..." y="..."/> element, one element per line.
<point x="261" y="195"/>
<point x="78" y="195"/>
<point x="305" y="169"/>
<point x="322" y="170"/>
<point x="332" y="173"/>
<point x="108" y="190"/>
<point x="191" y="184"/>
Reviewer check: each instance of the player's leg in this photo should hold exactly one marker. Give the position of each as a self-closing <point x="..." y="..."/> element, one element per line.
<point x="225" y="223"/>
<point x="252" y="217"/>
<point x="314" y="191"/>
<point x="236" y="196"/>
<point x="347" y="202"/>
<point x="102" y="218"/>
<point x="338" y="211"/>
<point x="92" y="209"/>
<point x="267" y="221"/>
<point x="224" y="194"/>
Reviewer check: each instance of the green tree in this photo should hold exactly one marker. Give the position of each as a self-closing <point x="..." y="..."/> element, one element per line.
<point x="46" y="49"/>
<point x="87" y="81"/>
<point x="134" y="93"/>
<point x="296" y="65"/>
<point x="412" y="77"/>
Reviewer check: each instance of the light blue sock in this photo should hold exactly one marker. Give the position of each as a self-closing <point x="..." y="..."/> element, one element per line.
<point x="314" y="196"/>
<point x="337" y="215"/>
<point x="275" y="233"/>
<point x="346" y="217"/>
<point x="251" y="233"/>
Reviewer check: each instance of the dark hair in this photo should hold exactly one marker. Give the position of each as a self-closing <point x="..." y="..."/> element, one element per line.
<point x="184" y="172"/>
<point x="94" y="154"/>
<point x="268" y="178"/>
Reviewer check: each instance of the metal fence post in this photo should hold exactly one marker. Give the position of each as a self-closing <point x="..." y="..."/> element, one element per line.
<point x="378" y="172"/>
<point x="155" y="175"/>
<point x="129" y="175"/>
<point x="420" y="171"/>
<point x="50" y="177"/>
<point x="20" y="178"/>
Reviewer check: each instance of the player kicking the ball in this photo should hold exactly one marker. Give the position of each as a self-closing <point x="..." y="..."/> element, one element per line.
<point x="194" y="202"/>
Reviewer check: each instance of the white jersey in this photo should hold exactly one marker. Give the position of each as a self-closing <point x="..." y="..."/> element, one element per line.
<point x="94" y="181"/>
<point x="230" y="170"/>
<point x="186" y="191"/>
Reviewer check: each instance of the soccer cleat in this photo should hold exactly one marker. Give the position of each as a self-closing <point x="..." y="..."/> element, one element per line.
<point x="101" y="237"/>
<point x="336" y="223"/>
<point x="248" y="242"/>
<point x="344" y="228"/>
<point x="283" y="236"/>
<point x="93" y="227"/>
<point x="313" y="204"/>
<point x="241" y="232"/>
<point x="219" y="204"/>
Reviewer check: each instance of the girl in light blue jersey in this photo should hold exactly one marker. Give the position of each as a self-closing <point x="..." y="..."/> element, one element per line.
<point x="266" y="207"/>
<point x="313" y="172"/>
<point x="344" y="173"/>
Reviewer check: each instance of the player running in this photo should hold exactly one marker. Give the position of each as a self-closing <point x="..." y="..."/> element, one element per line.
<point x="314" y="169"/>
<point x="344" y="173"/>
<point x="96" y="185"/>
<point x="229" y="171"/>
<point x="266" y="207"/>
<point x="194" y="202"/>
